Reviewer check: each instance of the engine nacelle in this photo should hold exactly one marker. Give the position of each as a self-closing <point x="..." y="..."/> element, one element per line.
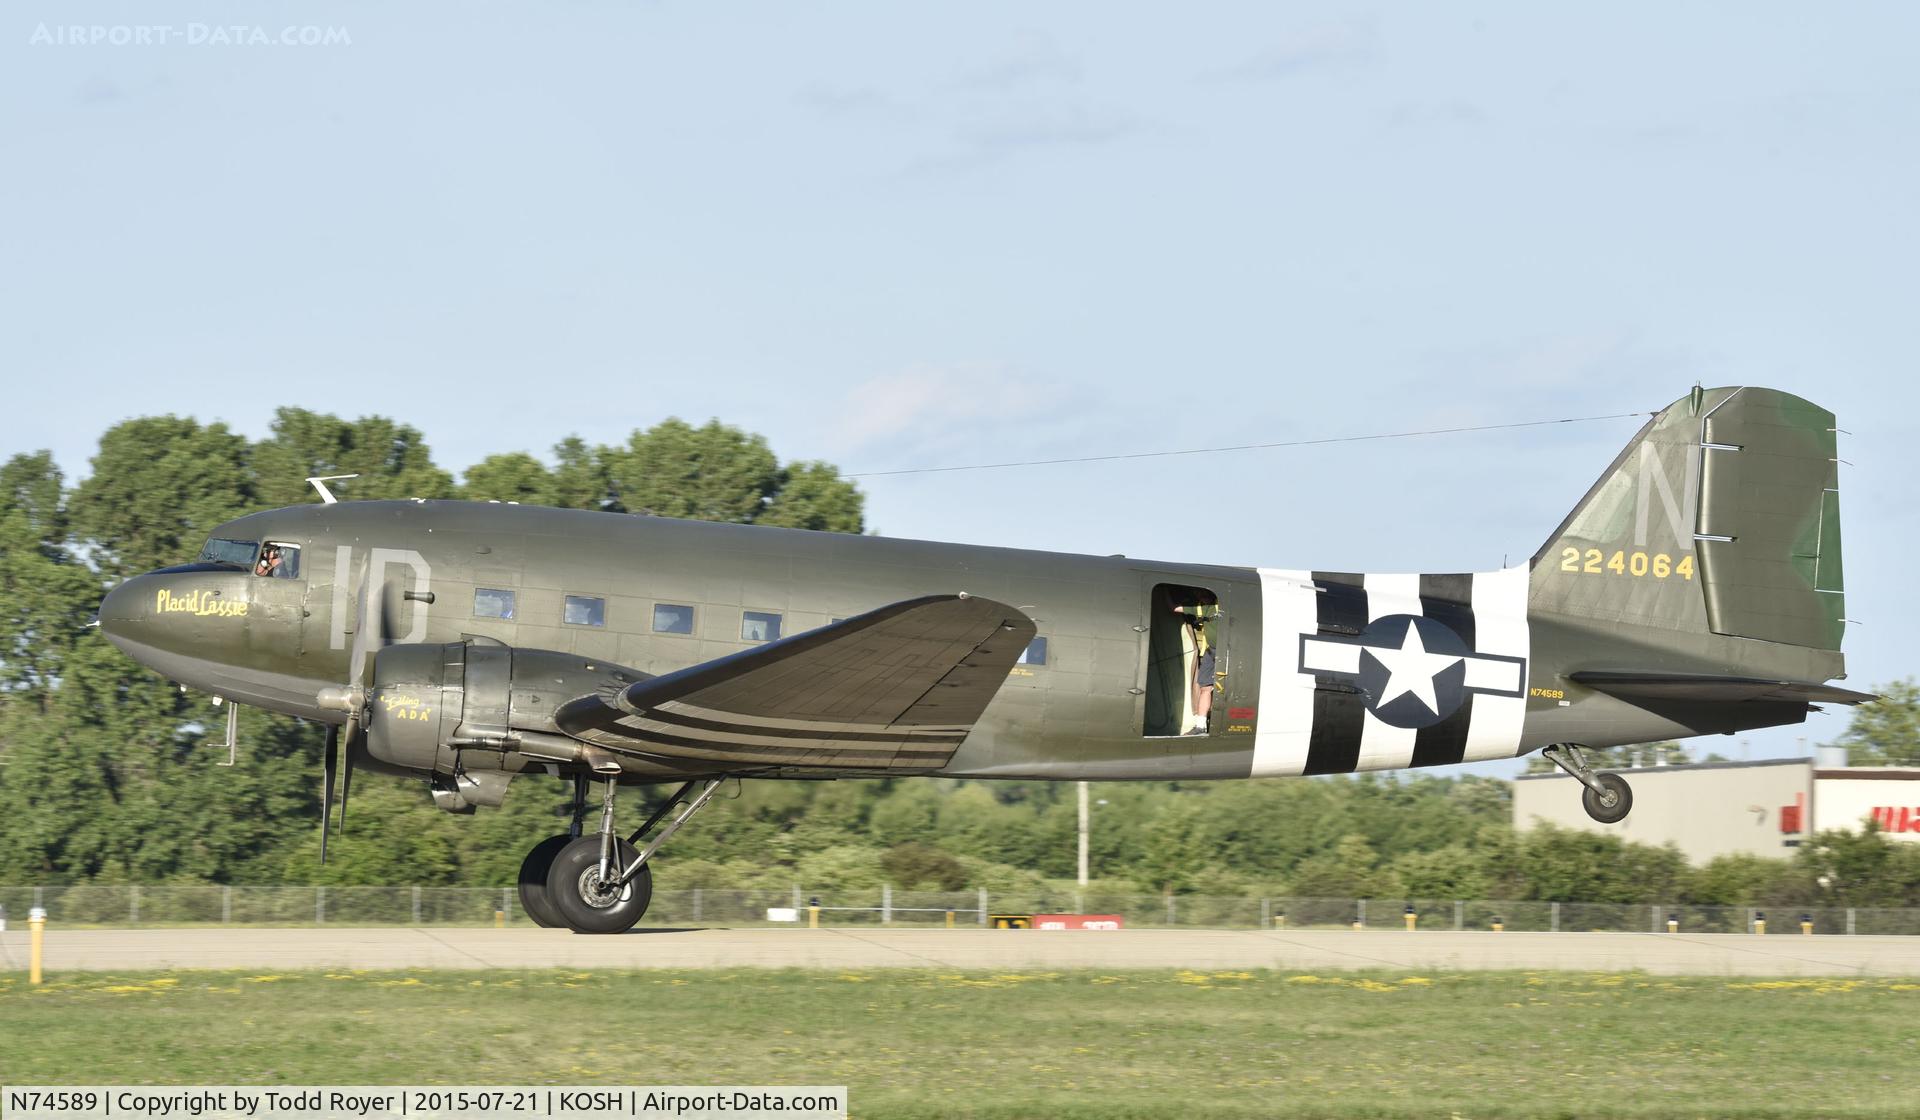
<point x="460" y="708"/>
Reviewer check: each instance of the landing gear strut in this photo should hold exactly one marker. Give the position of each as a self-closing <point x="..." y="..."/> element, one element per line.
<point x="598" y="882"/>
<point x="1607" y="798"/>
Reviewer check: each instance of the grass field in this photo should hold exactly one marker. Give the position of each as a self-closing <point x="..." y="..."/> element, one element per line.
<point x="1056" y="1044"/>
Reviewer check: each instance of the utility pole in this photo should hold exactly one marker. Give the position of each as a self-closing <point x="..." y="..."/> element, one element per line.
<point x="1085" y="814"/>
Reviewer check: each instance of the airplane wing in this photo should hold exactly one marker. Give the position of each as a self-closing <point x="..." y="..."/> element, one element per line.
<point x="896" y="688"/>
<point x="1692" y="686"/>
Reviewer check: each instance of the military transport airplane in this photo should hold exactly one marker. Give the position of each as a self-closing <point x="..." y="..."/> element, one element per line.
<point x="1694" y="589"/>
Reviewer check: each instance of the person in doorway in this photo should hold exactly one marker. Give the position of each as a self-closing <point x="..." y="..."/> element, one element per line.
<point x="1199" y="619"/>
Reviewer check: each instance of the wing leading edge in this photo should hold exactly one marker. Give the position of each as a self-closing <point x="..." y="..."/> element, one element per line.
<point x="894" y="689"/>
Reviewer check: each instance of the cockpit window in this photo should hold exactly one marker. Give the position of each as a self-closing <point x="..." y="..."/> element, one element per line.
<point x="278" y="561"/>
<point x="237" y="553"/>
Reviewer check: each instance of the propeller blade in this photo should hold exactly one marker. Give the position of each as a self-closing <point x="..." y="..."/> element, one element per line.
<point x="356" y="746"/>
<point x="328" y="762"/>
<point x="357" y="659"/>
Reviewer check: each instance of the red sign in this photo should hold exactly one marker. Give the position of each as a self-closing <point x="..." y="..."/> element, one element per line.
<point x="1897" y="818"/>
<point x="1076" y="921"/>
<point x="1240" y="713"/>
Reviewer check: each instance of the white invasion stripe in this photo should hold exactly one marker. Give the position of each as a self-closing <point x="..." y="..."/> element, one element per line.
<point x="1382" y="745"/>
<point x="1323" y="656"/>
<point x="1289" y="607"/>
<point x="1493" y="676"/>
<point x="723" y="739"/>
<point x="799" y="723"/>
<point x="1500" y="626"/>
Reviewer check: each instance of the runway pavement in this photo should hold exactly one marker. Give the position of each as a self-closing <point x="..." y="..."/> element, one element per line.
<point x="847" y="948"/>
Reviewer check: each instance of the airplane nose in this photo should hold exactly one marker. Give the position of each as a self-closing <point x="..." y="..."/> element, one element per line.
<point x="124" y="612"/>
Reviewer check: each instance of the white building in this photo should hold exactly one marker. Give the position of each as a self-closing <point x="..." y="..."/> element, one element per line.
<point x="1709" y="809"/>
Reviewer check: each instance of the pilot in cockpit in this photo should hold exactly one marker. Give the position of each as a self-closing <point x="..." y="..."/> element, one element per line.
<point x="272" y="563"/>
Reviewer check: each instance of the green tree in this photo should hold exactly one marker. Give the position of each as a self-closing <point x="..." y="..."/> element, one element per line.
<point x="511" y="477"/>
<point x="580" y="476"/>
<point x="159" y="486"/>
<point x="1886" y="731"/>
<point x="712" y="473"/>
<point x="812" y="495"/>
<point x="46" y="595"/>
<point x="1861" y="868"/>
<point x="390" y="458"/>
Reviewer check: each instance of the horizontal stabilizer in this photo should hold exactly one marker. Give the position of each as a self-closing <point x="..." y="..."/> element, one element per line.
<point x="1716" y="689"/>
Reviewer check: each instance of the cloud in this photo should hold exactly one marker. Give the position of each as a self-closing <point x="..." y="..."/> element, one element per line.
<point x="1327" y="46"/>
<point x="1435" y="114"/>
<point x="927" y="415"/>
<point x="1034" y="58"/>
<point x="98" y="90"/>
<point x="1048" y="126"/>
<point x="843" y="101"/>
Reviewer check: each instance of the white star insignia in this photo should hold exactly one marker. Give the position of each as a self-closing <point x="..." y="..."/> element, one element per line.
<point x="1411" y="670"/>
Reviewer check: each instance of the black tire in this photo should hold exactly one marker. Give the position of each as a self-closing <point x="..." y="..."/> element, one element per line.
<point x="570" y="881"/>
<point x="1613" y="806"/>
<point x="533" y="882"/>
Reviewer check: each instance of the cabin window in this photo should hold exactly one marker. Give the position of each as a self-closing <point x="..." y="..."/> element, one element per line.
<point x="237" y="553"/>
<point x="278" y="561"/>
<point x="1034" y="654"/>
<point x="759" y="626"/>
<point x="672" y="618"/>
<point x="585" y="610"/>
<point x="489" y="602"/>
<point x="1186" y="659"/>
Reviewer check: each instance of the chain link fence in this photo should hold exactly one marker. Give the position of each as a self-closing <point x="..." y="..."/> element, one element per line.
<point x="133" y="906"/>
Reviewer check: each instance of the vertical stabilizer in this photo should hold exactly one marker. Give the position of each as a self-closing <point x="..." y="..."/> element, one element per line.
<point x="1721" y="516"/>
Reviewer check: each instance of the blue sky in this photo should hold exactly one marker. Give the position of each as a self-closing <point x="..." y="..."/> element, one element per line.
<point x="892" y="237"/>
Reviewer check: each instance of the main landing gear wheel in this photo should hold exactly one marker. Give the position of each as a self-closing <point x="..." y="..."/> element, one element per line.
<point x="586" y="902"/>
<point x="1610" y="803"/>
<point x="1606" y="797"/>
<point x="533" y="882"/>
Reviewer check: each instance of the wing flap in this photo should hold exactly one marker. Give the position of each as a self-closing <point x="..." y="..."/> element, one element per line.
<point x="896" y="688"/>
<point x="1704" y="687"/>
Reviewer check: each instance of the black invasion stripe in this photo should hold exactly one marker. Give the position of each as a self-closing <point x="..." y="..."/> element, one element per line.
<point x="1339" y="711"/>
<point x="682" y="719"/>
<point x="760" y="750"/>
<point x="1447" y="599"/>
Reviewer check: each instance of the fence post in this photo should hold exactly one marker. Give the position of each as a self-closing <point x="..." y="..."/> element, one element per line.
<point x="1079" y="901"/>
<point x="983" y="906"/>
<point x="1170" y="912"/>
<point x="1849" y="921"/>
<point x="226" y="905"/>
<point x="319" y="906"/>
<point x="796" y="896"/>
<point x="1653" y="919"/>
<point x="1459" y="915"/>
<point x="1266" y="913"/>
<point x="1554" y="916"/>
<point x="886" y="904"/>
<point x="1363" y="913"/>
<point x="133" y="905"/>
<point x="506" y="901"/>
<point x="696" y="904"/>
<point x="39" y="897"/>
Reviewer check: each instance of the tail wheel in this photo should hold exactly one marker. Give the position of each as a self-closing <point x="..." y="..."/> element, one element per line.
<point x="1611" y="803"/>
<point x="587" y="904"/>
<point x="533" y="882"/>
